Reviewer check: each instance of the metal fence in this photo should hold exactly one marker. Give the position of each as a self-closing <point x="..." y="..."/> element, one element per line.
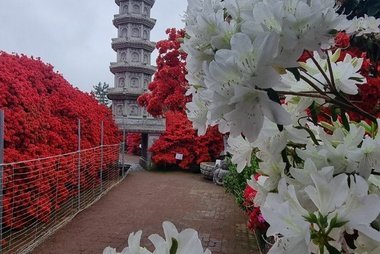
<point x="39" y="196"/>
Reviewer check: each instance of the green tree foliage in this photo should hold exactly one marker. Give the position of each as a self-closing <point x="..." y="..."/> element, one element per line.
<point x="100" y="93"/>
<point x="235" y="183"/>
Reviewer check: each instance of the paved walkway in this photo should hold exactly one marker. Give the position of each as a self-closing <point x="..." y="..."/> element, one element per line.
<point x="145" y="199"/>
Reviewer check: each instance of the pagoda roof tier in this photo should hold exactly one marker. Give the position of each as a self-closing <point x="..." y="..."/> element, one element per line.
<point x="127" y="67"/>
<point x="123" y="93"/>
<point x="120" y="19"/>
<point x="150" y="2"/>
<point x="122" y="43"/>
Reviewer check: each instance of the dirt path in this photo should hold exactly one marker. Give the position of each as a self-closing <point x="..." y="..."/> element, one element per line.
<point x="145" y="199"/>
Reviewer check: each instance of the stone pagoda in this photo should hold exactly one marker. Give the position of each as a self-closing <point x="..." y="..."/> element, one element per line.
<point x="133" y="71"/>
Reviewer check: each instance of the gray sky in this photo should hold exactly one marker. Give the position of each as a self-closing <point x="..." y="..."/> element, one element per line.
<point x="75" y="35"/>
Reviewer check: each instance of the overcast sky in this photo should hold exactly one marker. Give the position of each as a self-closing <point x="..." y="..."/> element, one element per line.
<point x="74" y="35"/>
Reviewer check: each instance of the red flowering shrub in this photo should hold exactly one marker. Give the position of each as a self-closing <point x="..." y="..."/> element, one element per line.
<point x="255" y="219"/>
<point x="180" y="137"/>
<point x="41" y="114"/>
<point x="133" y="143"/>
<point x="167" y="97"/>
<point x="169" y="84"/>
<point x="342" y="40"/>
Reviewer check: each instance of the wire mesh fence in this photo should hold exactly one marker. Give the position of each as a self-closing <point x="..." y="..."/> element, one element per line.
<point x="39" y="196"/>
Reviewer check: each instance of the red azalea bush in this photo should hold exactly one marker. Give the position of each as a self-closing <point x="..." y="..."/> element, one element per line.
<point x="181" y="138"/>
<point x="169" y="84"/>
<point x="256" y="221"/>
<point x="41" y="115"/>
<point x="133" y="143"/>
<point x="167" y="97"/>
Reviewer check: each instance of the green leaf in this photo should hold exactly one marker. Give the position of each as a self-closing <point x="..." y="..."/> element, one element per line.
<point x="345" y="122"/>
<point x="335" y="223"/>
<point x="334" y="220"/>
<point x="374" y="129"/>
<point x="334" y="113"/>
<point x="366" y="126"/>
<point x="174" y="247"/>
<point x="323" y="222"/>
<point x="356" y="79"/>
<point x="339" y="224"/>
<point x="333" y="32"/>
<point x="314" y="110"/>
<point x="312" y="218"/>
<point x="331" y="249"/>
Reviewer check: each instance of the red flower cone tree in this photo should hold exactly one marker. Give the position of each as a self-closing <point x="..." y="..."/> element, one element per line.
<point x="167" y="98"/>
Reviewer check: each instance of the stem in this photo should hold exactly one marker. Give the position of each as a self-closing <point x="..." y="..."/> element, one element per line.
<point x="354" y="108"/>
<point x="310" y="76"/>
<point x="331" y="73"/>
<point x="347" y="107"/>
<point x="321" y="248"/>
<point x="312" y="84"/>
<point x="319" y="68"/>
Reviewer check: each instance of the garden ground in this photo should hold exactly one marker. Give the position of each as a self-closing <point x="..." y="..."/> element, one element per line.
<point x="143" y="201"/>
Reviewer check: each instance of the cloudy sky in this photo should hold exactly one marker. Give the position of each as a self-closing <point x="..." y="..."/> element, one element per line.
<point x="74" y="35"/>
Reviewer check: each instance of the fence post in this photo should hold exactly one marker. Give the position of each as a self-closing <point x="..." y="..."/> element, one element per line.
<point x="123" y="150"/>
<point x="101" y="155"/>
<point x="79" y="149"/>
<point x="1" y="176"/>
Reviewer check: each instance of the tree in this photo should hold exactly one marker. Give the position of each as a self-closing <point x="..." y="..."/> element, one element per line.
<point x="167" y="91"/>
<point x="100" y="93"/>
<point x="166" y="97"/>
<point x="181" y="138"/>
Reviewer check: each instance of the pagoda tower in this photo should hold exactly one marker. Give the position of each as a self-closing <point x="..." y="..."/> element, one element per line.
<point x="133" y="71"/>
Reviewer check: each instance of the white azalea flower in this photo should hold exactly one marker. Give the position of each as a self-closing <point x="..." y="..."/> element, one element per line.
<point x="300" y="24"/>
<point x="303" y="175"/>
<point x="250" y="108"/>
<point x="346" y="76"/>
<point x="188" y="241"/>
<point x="254" y="58"/>
<point x="328" y="192"/>
<point x="197" y="114"/>
<point x="363" y="25"/>
<point x="261" y="187"/>
<point x="239" y="9"/>
<point x="365" y="245"/>
<point x="287" y="224"/>
<point x="301" y="103"/>
<point x="360" y="209"/>
<point x="241" y="150"/>
<point x="133" y="246"/>
<point x="109" y="250"/>
<point x="367" y="156"/>
<point x="341" y="150"/>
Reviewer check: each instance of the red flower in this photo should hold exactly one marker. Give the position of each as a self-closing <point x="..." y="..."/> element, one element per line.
<point x="167" y="97"/>
<point x="41" y="114"/>
<point x="342" y="40"/>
